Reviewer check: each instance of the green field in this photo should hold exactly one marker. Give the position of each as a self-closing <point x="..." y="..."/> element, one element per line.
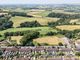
<point x="42" y="30"/>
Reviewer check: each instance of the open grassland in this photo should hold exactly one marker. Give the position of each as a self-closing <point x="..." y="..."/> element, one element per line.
<point x="42" y="30"/>
<point x="51" y="40"/>
<point x="68" y="27"/>
<point x="17" y="20"/>
<point x="16" y="38"/>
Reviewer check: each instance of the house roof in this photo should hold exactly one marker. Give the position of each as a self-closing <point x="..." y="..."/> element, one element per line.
<point x="24" y="49"/>
<point x="22" y="58"/>
<point x="51" y="49"/>
<point x="11" y="49"/>
<point x="77" y="49"/>
<point x="66" y="49"/>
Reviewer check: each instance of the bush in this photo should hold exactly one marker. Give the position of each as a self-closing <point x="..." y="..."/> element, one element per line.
<point x="61" y="54"/>
<point x="51" y="33"/>
<point x="60" y="44"/>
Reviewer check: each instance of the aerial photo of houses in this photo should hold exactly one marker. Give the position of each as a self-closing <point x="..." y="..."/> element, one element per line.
<point x="39" y="29"/>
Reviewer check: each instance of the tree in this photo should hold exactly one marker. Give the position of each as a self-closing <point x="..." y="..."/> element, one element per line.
<point x="77" y="54"/>
<point x="61" y="54"/>
<point x="62" y="15"/>
<point x="51" y="33"/>
<point x="28" y="38"/>
<point x="5" y="23"/>
<point x="60" y="44"/>
<point x="1" y="52"/>
<point x="20" y="14"/>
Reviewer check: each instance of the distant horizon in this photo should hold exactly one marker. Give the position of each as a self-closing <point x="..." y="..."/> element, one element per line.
<point x="42" y="2"/>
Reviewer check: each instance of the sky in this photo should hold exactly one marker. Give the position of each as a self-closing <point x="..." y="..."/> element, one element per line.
<point x="39" y="1"/>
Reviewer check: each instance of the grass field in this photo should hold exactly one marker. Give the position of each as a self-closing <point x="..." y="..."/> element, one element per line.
<point x="68" y="27"/>
<point x="17" y="20"/>
<point x="51" y="40"/>
<point x="42" y="30"/>
<point x="16" y="38"/>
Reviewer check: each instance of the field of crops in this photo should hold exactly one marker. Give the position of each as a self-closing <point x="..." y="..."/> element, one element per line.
<point x="68" y="27"/>
<point x="51" y="40"/>
<point x="16" y="38"/>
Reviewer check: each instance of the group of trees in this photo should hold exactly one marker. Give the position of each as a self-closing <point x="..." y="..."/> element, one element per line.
<point x="51" y="33"/>
<point x="5" y="23"/>
<point x="17" y="33"/>
<point x="70" y="34"/>
<point x="20" y="14"/>
<point x="27" y="39"/>
<point x="62" y="15"/>
<point x="1" y="52"/>
<point x="62" y="21"/>
<point x="66" y="33"/>
<point x="30" y="24"/>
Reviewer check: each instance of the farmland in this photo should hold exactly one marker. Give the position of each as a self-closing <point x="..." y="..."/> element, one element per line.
<point x="43" y="25"/>
<point x="43" y="30"/>
<point x="39" y="31"/>
<point x="43" y="21"/>
<point x="16" y="38"/>
<point x="68" y="27"/>
<point x="51" y="40"/>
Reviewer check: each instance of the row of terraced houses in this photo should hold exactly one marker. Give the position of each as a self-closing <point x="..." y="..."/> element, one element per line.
<point x="38" y="53"/>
